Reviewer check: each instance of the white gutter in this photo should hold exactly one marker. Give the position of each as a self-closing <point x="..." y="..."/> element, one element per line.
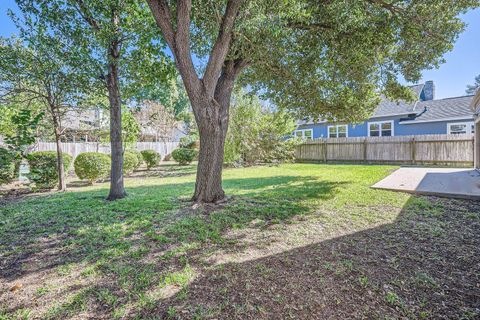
<point x="438" y="120"/>
<point x="391" y="115"/>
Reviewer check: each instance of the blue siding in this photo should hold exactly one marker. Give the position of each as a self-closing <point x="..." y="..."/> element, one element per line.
<point x="361" y="129"/>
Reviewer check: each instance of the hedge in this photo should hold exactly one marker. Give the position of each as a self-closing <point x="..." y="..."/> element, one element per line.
<point x="43" y="168"/>
<point x="8" y="165"/>
<point x="151" y="157"/>
<point x="92" y="166"/>
<point x="184" y="155"/>
<point x="139" y="156"/>
<point x="130" y="162"/>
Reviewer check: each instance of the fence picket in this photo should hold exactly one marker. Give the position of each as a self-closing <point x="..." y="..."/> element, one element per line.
<point x="435" y="149"/>
<point x="75" y="148"/>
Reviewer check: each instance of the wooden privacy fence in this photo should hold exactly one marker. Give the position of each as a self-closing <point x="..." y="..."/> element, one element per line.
<point x="439" y="149"/>
<point x="75" y="148"/>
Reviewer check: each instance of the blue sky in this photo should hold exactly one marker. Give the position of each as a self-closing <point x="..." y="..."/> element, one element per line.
<point x="461" y="67"/>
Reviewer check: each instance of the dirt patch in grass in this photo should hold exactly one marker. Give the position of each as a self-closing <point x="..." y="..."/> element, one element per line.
<point x="297" y="241"/>
<point x="422" y="265"/>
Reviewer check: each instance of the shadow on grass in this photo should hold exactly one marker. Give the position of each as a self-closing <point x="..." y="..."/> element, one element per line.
<point x="148" y="256"/>
<point x="423" y="265"/>
<point x="61" y="229"/>
<point x="165" y="170"/>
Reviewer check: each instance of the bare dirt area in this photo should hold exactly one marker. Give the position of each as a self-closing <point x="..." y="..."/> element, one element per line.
<point x="293" y="242"/>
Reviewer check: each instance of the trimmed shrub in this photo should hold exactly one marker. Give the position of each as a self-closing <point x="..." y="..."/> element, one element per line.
<point x="139" y="156"/>
<point x="151" y="157"/>
<point x="130" y="162"/>
<point x="184" y="155"/>
<point x="189" y="141"/>
<point x="8" y="166"/>
<point x="92" y="166"/>
<point x="43" y="168"/>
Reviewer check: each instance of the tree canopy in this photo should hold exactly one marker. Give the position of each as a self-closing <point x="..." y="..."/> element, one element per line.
<point x="121" y="52"/>
<point x="328" y="60"/>
<point x="39" y="69"/>
<point x="472" y="88"/>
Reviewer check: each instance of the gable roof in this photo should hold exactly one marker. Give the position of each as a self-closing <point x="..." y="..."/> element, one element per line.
<point x="391" y="108"/>
<point x="443" y="109"/>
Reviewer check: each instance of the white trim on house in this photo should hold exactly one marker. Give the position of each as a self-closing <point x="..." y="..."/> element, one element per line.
<point x="392" y="115"/>
<point x="380" y="123"/>
<point x="469" y="126"/>
<point x="437" y="120"/>
<point x="303" y="133"/>
<point x="336" y="126"/>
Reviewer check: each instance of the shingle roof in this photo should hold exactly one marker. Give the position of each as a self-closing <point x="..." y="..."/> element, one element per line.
<point x="388" y="108"/>
<point x="445" y="108"/>
<point x="457" y="107"/>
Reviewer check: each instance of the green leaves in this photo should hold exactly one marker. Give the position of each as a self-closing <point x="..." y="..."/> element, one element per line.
<point x="93" y="27"/>
<point x="256" y="133"/>
<point x="471" y="89"/>
<point x="23" y="130"/>
<point x="130" y="128"/>
<point x="333" y="60"/>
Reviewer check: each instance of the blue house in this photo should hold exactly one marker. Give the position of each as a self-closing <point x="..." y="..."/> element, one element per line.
<point x="427" y="115"/>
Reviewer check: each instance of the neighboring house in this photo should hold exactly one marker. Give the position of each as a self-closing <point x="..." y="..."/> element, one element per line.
<point x="149" y="134"/>
<point x="83" y="125"/>
<point x="476" y="110"/>
<point x="427" y="115"/>
<point x="90" y="125"/>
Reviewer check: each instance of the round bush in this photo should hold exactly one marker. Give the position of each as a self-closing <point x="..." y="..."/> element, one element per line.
<point x="8" y="165"/>
<point x="43" y="168"/>
<point x="184" y="155"/>
<point x="139" y="156"/>
<point x="189" y="141"/>
<point x="151" y="157"/>
<point x="130" y="162"/>
<point x="92" y="166"/>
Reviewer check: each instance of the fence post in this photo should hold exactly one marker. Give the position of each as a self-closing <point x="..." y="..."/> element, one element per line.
<point x="365" y="149"/>
<point x="325" y="150"/>
<point x="413" y="149"/>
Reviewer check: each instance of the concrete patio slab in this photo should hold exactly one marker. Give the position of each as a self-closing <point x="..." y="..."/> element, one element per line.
<point x="443" y="182"/>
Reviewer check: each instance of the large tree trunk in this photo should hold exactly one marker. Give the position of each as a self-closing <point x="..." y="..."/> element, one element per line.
<point x="212" y="122"/>
<point x="208" y="186"/>
<point x="117" y="190"/>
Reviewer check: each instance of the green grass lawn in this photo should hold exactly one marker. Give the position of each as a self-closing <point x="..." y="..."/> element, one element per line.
<point x="293" y="241"/>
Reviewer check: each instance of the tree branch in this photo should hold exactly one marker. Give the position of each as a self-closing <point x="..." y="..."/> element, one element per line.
<point x="178" y="41"/>
<point x="221" y="46"/>
<point x="85" y="14"/>
<point x="163" y="18"/>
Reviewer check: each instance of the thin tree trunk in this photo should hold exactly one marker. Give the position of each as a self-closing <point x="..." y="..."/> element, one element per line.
<point x="117" y="190"/>
<point x="62" y="185"/>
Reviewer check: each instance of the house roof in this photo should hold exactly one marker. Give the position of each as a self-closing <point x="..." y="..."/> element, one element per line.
<point x="389" y="108"/>
<point x="436" y="110"/>
<point x="443" y="109"/>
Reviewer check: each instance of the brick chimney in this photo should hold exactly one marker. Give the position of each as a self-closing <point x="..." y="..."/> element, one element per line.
<point x="428" y="91"/>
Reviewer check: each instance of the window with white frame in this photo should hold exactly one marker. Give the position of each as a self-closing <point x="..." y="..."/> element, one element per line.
<point x="460" y="127"/>
<point x="338" y="131"/>
<point x="380" y="129"/>
<point x="305" y="134"/>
